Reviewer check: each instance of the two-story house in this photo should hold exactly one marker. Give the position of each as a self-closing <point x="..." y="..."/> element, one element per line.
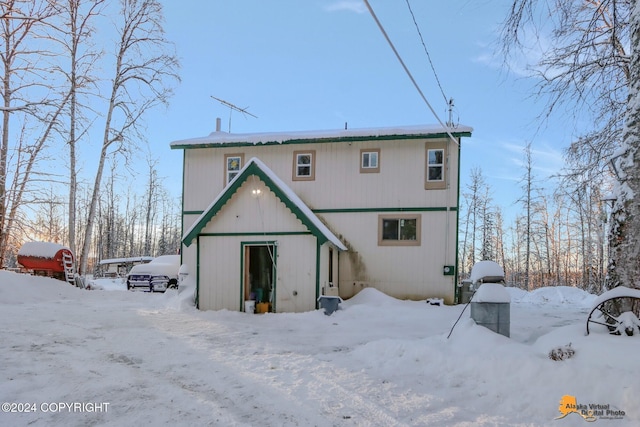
<point x="286" y="217"/>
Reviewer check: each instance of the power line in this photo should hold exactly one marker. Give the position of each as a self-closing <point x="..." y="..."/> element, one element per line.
<point x="426" y="51"/>
<point x="424" y="98"/>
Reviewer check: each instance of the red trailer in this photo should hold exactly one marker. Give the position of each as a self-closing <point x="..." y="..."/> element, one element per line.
<point x="48" y="259"/>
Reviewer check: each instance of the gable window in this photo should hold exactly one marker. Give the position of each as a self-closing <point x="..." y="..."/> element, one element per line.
<point x="436" y="166"/>
<point x="304" y="165"/>
<point x="399" y="230"/>
<point x="233" y="164"/>
<point x="370" y="161"/>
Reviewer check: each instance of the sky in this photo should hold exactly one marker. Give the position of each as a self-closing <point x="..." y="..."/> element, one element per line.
<point x="318" y="64"/>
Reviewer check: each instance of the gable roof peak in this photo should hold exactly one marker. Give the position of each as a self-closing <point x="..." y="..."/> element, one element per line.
<point x="256" y="167"/>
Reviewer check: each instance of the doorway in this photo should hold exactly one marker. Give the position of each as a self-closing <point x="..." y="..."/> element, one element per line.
<point x="259" y="274"/>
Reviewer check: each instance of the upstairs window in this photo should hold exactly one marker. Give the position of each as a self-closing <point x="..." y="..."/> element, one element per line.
<point x="370" y="161"/>
<point x="398" y="230"/>
<point x="304" y="166"/>
<point x="233" y="164"/>
<point x="435" y="166"/>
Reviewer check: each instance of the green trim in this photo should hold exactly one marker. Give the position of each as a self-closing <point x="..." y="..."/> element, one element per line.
<point x="456" y="290"/>
<point x="232" y="188"/>
<point x="241" y="276"/>
<point x="190" y="212"/>
<point x="300" y="141"/>
<point x="364" y="210"/>
<point x="270" y="233"/>
<point x="184" y="161"/>
<point x="318" y="246"/>
<point x="198" y="275"/>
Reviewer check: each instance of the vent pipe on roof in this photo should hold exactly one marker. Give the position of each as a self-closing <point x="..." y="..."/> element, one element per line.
<point x="218" y="124"/>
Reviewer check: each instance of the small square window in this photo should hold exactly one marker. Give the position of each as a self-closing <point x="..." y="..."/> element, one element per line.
<point x="369" y="161"/>
<point x="304" y="165"/>
<point x="233" y="164"/>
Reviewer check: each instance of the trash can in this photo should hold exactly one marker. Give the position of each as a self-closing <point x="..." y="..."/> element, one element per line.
<point x="491" y="308"/>
<point x="329" y="303"/>
<point x="466" y="291"/>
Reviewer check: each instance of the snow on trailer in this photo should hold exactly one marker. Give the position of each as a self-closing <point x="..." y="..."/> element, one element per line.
<point x="48" y="259"/>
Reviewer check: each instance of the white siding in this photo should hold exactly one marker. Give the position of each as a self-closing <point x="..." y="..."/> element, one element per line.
<point x="220" y="275"/>
<point x="249" y="213"/>
<point x="412" y="272"/>
<point x="296" y="273"/>
<point x="242" y="220"/>
<point x="203" y="179"/>
<point x="400" y="182"/>
<point x="404" y="272"/>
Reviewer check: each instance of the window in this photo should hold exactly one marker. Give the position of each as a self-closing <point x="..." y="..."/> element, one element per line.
<point x="233" y="164"/>
<point x="304" y="166"/>
<point x="370" y="161"/>
<point x="436" y="166"/>
<point x="399" y="230"/>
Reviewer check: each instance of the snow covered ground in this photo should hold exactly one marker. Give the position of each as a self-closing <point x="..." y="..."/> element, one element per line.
<point x="73" y="357"/>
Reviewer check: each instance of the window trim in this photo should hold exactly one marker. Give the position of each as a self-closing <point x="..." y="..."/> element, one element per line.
<point x="226" y="164"/>
<point x="416" y="242"/>
<point x="436" y="184"/>
<point x="312" y="165"/>
<point x="369" y="169"/>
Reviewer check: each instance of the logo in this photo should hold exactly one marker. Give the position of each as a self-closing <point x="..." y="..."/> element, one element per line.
<point x="591" y="412"/>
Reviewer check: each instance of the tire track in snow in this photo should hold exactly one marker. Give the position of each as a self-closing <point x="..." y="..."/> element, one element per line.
<point x="316" y="392"/>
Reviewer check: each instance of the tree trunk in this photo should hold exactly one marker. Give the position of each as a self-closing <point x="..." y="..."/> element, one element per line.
<point x="624" y="267"/>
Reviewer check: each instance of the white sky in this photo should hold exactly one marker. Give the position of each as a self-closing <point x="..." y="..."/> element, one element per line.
<point x="316" y="64"/>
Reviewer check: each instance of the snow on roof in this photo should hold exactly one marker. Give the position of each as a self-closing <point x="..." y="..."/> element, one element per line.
<point x="221" y="138"/>
<point x="492" y="292"/>
<point x="41" y="249"/>
<point x="285" y="189"/>
<point x="486" y="270"/>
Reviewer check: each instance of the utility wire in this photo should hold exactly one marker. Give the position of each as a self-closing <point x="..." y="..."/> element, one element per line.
<point x="424" y="98"/>
<point x="427" y="52"/>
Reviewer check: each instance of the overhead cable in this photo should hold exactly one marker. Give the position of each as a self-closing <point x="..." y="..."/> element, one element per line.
<point x="427" y="52"/>
<point x="424" y="98"/>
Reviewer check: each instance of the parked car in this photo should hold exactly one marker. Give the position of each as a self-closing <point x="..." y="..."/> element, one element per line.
<point x="156" y="276"/>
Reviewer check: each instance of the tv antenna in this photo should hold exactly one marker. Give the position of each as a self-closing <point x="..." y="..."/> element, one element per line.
<point x="233" y="108"/>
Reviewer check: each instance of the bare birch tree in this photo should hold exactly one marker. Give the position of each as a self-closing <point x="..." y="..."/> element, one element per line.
<point x="143" y="71"/>
<point x="589" y="68"/>
<point x="74" y="33"/>
<point x="27" y="94"/>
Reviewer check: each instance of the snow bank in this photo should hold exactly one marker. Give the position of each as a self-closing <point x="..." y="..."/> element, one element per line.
<point x="372" y="297"/>
<point x="556" y="295"/>
<point x="381" y="362"/>
<point x="18" y="288"/>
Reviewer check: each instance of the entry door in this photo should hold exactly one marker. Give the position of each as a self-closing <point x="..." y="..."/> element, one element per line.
<point x="259" y="273"/>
